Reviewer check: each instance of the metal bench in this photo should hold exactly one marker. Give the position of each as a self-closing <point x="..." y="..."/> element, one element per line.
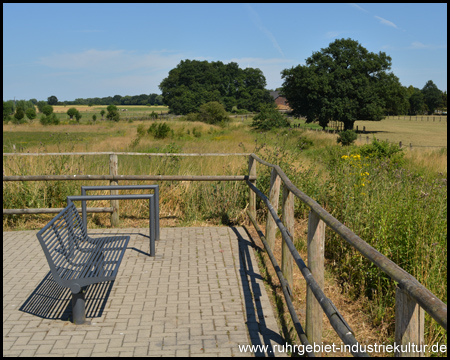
<point x="77" y="260"/>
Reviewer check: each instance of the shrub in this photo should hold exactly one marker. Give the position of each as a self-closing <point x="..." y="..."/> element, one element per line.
<point x="304" y="143"/>
<point x="113" y="113"/>
<point x="47" y="110"/>
<point x="72" y="112"/>
<point x="191" y="117"/>
<point x="347" y="137"/>
<point x="141" y="130"/>
<point x="160" y="131"/>
<point x="269" y="118"/>
<point x="383" y="150"/>
<point x="196" y="132"/>
<point x="31" y="113"/>
<point x="18" y="116"/>
<point x="213" y="113"/>
<point x="49" y="120"/>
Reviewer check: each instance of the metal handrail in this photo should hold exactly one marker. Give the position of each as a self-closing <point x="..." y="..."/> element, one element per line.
<point x="151" y="206"/>
<point x="122" y="187"/>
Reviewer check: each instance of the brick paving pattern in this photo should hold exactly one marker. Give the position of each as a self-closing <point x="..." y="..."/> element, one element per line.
<point x="201" y="295"/>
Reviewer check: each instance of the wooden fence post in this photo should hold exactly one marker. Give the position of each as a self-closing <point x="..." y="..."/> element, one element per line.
<point x="274" y="195"/>
<point x="316" y="249"/>
<point x="409" y="325"/>
<point x="252" y="198"/>
<point x="114" y="170"/>
<point x="289" y="222"/>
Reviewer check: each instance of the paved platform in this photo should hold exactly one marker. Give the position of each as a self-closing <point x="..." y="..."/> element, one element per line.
<point x="201" y="295"/>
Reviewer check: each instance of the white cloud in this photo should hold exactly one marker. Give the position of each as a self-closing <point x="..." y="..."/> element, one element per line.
<point x="358" y="7"/>
<point x="332" y="34"/>
<point x="112" y="61"/>
<point x="386" y="22"/>
<point x="257" y="21"/>
<point x="419" y="45"/>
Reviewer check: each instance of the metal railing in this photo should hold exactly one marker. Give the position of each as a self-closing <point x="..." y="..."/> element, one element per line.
<point x="152" y="206"/>
<point x="114" y="189"/>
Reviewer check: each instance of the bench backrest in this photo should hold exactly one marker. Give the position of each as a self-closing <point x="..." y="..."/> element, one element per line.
<point x="63" y="240"/>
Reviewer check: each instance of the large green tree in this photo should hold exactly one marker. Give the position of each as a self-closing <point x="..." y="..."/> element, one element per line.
<point x="52" y="100"/>
<point x="193" y="83"/>
<point x="343" y="82"/>
<point x="432" y="96"/>
<point x="416" y="101"/>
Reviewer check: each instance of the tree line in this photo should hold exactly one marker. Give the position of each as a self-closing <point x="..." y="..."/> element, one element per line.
<point x="343" y="82"/>
<point x="143" y="99"/>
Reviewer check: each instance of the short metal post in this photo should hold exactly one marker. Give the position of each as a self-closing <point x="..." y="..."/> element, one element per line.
<point x="113" y="170"/>
<point x="79" y="307"/>
<point x="157" y="212"/>
<point x="83" y="210"/>
<point x="152" y="231"/>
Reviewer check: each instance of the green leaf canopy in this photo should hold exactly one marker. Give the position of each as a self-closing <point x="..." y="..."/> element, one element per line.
<point x="343" y="82"/>
<point x="193" y="83"/>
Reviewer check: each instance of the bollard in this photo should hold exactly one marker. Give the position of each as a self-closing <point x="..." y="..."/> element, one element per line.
<point x="113" y="170"/>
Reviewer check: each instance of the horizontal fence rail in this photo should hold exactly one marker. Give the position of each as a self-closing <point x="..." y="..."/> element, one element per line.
<point x="126" y="153"/>
<point x="55" y="210"/>
<point x="114" y="178"/>
<point x="127" y="177"/>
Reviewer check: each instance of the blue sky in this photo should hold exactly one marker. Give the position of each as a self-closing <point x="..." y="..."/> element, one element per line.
<point x="97" y="50"/>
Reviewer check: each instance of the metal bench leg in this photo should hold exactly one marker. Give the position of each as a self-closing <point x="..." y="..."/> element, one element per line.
<point x="79" y="307"/>
<point x="152" y="230"/>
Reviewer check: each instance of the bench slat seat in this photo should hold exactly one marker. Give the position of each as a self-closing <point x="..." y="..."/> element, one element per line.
<point x="75" y="259"/>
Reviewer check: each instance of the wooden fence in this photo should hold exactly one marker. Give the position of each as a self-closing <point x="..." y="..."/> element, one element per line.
<point x="412" y="298"/>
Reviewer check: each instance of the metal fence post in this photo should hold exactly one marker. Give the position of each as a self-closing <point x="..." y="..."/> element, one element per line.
<point x="409" y="325"/>
<point x="289" y="222"/>
<point x="274" y="195"/>
<point x="316" y="245"/>
<point x="252" y="199"/>
<point x="114" y="170"/>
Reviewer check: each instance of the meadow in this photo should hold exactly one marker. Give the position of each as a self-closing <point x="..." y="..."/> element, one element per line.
<point x="396" y="200"/>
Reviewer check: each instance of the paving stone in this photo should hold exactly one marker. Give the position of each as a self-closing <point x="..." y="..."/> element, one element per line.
<point x="196" y="297"/>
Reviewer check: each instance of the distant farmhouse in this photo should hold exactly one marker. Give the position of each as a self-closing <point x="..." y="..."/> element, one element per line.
<point x="281" y="101"/>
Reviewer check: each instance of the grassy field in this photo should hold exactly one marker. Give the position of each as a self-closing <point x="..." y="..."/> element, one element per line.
<point x="417" y="132"/>
<point x="396" y="203"/>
